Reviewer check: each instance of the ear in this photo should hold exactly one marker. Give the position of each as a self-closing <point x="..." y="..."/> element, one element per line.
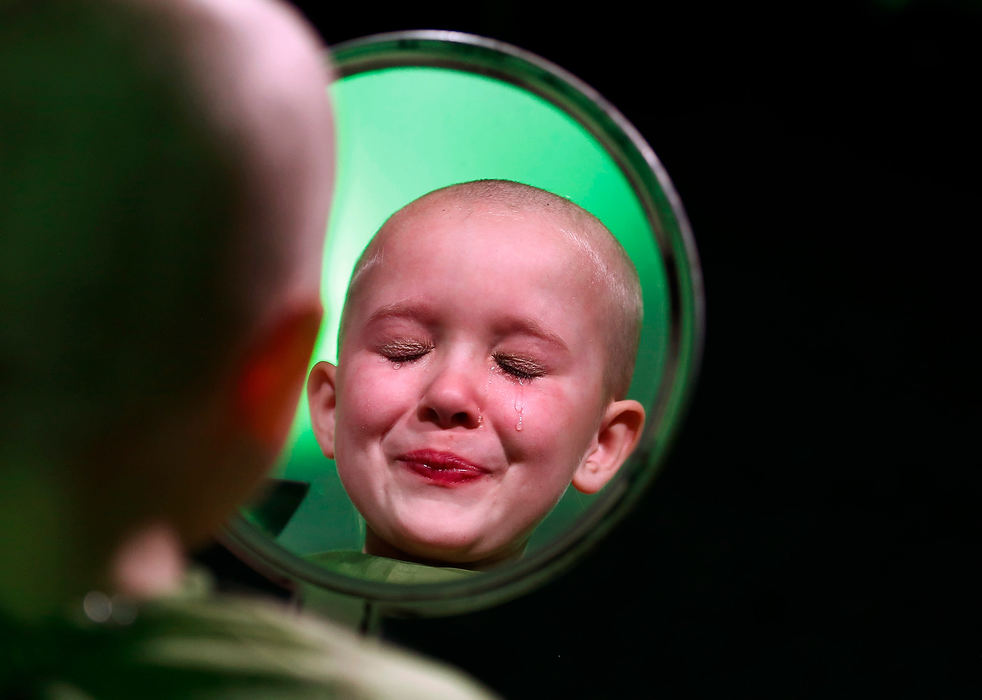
<point x="322" y="399"/>
<point x="269" y="384"/>
<point x="619" y="432"/>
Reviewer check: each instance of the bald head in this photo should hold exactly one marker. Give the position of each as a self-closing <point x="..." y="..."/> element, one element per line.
<point x="167" y="173"/>
<point x="603" y="256"/>
<point x="261" y="73"/>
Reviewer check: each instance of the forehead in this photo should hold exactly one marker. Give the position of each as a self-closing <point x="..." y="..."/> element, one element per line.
<point x="478" y="246"/>
<point x="489" y="265"/>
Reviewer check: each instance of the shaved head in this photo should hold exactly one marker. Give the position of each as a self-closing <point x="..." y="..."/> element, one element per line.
<point x="166" y="180"/>
<point x="256" y="68"/>
<point x="603" y="256"/>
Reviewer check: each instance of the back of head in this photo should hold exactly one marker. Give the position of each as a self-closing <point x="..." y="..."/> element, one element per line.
<point x="147" y="228"/>
<point x="116" y="209"/>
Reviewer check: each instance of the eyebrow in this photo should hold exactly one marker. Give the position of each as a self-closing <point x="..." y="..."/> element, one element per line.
<point x="400" y="309"/>
<point x="529" y="326"/>
<point x="507" y="326"/>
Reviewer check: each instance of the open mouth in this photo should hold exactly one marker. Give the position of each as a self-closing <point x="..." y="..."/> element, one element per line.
<point x="442" y="468"/>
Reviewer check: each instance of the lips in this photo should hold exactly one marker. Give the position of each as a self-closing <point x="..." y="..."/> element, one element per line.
<point x="443" y="468"/>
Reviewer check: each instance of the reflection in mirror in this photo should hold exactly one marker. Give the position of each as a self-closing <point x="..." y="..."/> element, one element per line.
<point x="487" y="345"/>
<point x="418" y="112"/>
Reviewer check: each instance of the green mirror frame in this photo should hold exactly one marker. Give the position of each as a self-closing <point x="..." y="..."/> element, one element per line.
<point x="536" y="123"/>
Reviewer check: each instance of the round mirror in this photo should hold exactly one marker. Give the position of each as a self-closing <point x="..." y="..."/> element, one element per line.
<point x="420" y="110"/>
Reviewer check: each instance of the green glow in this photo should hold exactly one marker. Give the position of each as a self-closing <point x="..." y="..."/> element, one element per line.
<point x="403" y="132"/>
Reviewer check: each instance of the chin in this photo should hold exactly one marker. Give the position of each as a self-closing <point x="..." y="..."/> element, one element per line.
<point x="452" y="548"/>
<point x="449" y="545"/>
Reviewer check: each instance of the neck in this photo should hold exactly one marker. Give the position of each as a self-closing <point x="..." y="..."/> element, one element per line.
<point x="148" y="562"/>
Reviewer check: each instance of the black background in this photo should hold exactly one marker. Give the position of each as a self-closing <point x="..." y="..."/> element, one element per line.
<point x="814" y="531"/>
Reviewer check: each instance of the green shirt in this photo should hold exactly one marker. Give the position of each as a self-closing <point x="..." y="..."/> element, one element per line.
<point x="374" y="568"/>
<point x="200" y="645"/>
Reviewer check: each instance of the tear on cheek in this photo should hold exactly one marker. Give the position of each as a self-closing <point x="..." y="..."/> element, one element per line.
<point x="520" y="405"/>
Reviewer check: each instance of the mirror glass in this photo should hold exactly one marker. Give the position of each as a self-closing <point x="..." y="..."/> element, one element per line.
<point x="420" y="110"/>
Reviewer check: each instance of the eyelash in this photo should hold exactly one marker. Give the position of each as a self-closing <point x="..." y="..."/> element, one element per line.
<point x="520" y="368"/>
<point x="403" y="351"/>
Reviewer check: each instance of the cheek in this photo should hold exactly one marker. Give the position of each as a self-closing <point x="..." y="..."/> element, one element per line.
<point x="548" y="424"/>
<point x="372" y="395"/>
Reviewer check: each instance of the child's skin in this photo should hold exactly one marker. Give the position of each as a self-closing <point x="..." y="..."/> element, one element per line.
<point x="117" y="506"/>
<point x="472" y="383"/>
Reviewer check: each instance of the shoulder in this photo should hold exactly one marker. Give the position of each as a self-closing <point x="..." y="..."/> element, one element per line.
<point x="217" y="646"/>
<point x="251" y="645"/>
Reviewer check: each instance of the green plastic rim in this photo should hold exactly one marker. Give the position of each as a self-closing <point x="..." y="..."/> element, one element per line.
<point x="680" y="348"/>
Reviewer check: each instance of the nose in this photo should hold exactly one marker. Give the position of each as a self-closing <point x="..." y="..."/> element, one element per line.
<point x="452" y="397"/>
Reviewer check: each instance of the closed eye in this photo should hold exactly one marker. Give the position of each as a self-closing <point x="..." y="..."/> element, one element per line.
<point x="520" y="368"/>
<point x="400" y="351"/>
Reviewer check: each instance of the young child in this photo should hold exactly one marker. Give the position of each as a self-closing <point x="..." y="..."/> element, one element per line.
<point x="486" y="346"/>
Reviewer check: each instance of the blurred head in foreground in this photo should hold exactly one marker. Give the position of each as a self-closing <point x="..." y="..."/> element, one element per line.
<point x="165" y="174"/>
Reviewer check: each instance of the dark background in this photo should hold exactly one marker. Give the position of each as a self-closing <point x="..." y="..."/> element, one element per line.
<point x="814" y="531"/>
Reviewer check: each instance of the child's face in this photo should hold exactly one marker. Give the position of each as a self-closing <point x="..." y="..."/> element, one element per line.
<point x="469" y="387"/>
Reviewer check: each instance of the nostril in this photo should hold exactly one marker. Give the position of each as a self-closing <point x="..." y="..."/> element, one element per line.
<point x="463" y="418"/>
<point x="431" y="415"/>
<point x="451" y="419"/>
